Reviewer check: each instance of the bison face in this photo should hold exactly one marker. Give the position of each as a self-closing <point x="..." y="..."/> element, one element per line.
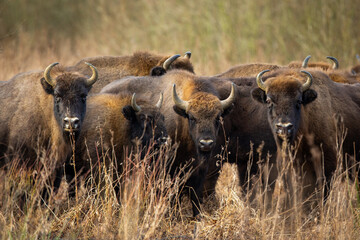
<point x="69" y="91"/>
<point x="284" y="97"/>
<point x="203" y="112"/>
<point x="147" y="123"/>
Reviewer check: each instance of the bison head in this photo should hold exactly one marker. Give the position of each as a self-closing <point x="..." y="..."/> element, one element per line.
<point x="178" y="62"/>
<point x="203" y="112"/>
<point x="284" y="96"/>
<point x="146" y="122"/>
<point x="69" y="91"/>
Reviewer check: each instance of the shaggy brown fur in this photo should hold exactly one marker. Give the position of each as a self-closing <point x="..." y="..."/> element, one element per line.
<point x="246" y="132"/>
<point x="32" y="118"/>
<point x="321" y="65"/>
<point x="247" y="70"/>
<point x="199" y="121"/>
<point x="355" y="69"/>
<point x="316" y="118"/>
<point x="27" y="112"/>
<point x="337" y="75"/>
<point x="111" y="127"/>
<point x="111" y="68"/>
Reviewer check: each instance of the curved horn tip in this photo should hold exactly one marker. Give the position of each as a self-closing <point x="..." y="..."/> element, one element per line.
<point x="305" y="62"/>
<point x="136" y="107"/>
<point x="229" y="101"/>
<point x="89" y="64"/>
<point x="188" y="55"/>
<point x="94" y="76"/>
<point x="308" y="82"/>
<point x="335" y="62"/>
<point x="178" y="101"/>
<point x="159" y="103"/>
<point x="259" y="81"/>
<point x="51" y="66"/>
<point x="170" y="60"/>
<point x="47" y="73"/>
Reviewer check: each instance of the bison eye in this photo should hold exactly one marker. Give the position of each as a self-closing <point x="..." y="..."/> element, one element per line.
<point x="192" y="119"/>
<point x="268" y="100"/>
<point x="298" y="104"/>
<point x="142" y="117"/>
<point x="57" y="99"/>
<point x="83" y="98"/>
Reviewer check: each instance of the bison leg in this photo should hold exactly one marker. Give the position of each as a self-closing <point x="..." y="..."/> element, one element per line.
<point x="196" y="186"/>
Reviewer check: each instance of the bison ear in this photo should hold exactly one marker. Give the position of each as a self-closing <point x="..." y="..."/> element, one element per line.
<point x="259" y="95"/>
<point x="47" y="87"/>
<point x="129" y="113"/>
<point x="180" y="111"/>
<point x="157" y="71"/>
<point x="309" y="96"/>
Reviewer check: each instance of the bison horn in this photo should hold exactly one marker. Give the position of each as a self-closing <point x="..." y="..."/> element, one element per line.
<point x="358" y="57"/>
<point x="47" y="74"/>
<point x="136" y="107"/>
<point x="169" y="61"/>
<point x="308" y="82"/>
<point x="259" y="81"/>
<point x="305" y="62"/>
<point x="94" y="76"/>
<point x="188" y="55"/>
<point x="227" y="102"/>
<point x="336" y="62"/>
<point x="178" y="101"/>
<point x="159" y="103"/>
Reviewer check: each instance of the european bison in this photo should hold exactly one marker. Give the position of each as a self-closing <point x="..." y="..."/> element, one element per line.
<point x="192" y="111"/>
<point x="40" y="112"/>
<point x="111" y="68"/>
<point x="247" y="138"/>
<point x="310" y="106"/>
<point x="113" y="125"/>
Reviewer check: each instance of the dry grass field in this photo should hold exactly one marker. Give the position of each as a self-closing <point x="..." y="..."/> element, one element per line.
<point x="220" y="34"/>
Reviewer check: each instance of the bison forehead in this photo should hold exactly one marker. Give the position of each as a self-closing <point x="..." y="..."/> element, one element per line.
<point x="284" y="85"/>
<point x="70" y="81"/>
<point x="205" y="105"/>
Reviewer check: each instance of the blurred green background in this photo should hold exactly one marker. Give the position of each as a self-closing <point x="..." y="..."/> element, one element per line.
<point x="220" y="34"/>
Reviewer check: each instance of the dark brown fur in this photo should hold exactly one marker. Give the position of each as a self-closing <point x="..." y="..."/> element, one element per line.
<point x="186" y="127"/>
<point x="115" y="67"/>
<point x="315" y="120"/>
<point x="112" y="127"/>
<point x="32" y="113"/>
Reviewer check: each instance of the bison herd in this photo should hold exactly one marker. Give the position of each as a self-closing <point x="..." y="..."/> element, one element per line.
<point x="64" y="112"/>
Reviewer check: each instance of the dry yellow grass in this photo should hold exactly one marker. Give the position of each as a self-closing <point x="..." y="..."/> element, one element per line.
<point x="143" y="210"/>
<point x="220" y="34"/>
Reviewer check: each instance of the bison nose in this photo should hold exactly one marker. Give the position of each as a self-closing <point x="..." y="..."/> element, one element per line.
<point x="163" y="140"/>
<point x="284" y="128"/>
<point x="206" y="144"/>
<point x="71" y="123"/>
